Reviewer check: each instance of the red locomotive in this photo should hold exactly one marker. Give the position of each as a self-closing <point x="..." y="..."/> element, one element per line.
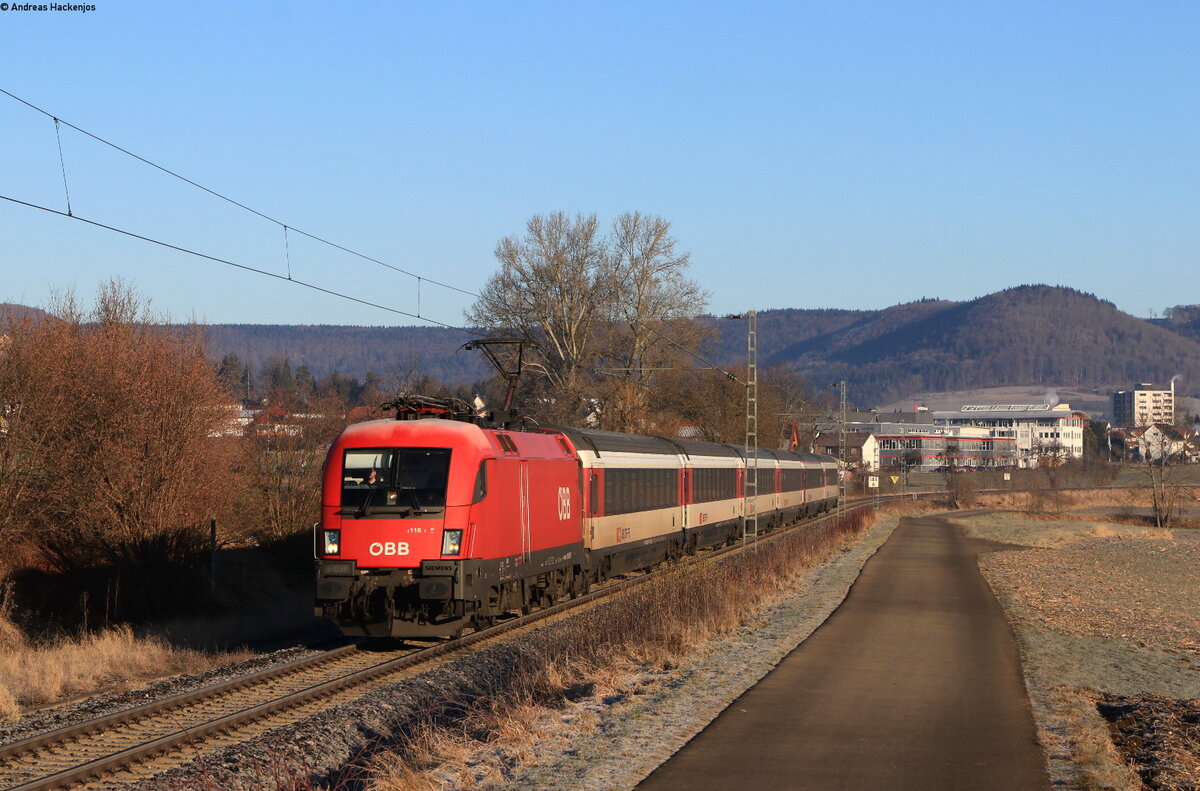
<point x="431" y="525"/>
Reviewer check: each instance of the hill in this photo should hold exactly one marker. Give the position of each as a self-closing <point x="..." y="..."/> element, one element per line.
<point x="1039" y="336"/>
<point x="351" y="350"/>
<point x="1029" y="335"/>
<point x="17" y="313"/>
<point x="1024" y="335"/>
<point x="1183" y="320"/>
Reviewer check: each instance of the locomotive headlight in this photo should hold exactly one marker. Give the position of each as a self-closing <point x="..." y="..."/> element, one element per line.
<point x="452" y="542"/>
<point x="333" y="542"/>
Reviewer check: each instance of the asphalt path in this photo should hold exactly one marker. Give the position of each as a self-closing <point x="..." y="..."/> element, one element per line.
<point x="914" y="683"/>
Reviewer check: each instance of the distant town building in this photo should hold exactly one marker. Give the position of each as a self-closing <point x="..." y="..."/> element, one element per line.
<point x="925" y="447"/>
<point x="1143" y="406"/>
<point x="231" y="421"/>
<point x="1045" y="434"/>
<point x="1164" y="442"/>
<point x="1161" y="442"/>
<point x="862" y="448"/>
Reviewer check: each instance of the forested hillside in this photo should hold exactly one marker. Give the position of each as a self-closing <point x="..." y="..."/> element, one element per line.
<point x="351" y="350"/>
<point x="1182" y="319"/>
<point x="1028" y="335"/>
<point x="1039" y="335"/>
<point x="1024" y="335"/>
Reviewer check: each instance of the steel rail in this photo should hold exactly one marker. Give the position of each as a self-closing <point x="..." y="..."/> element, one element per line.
<point x="134" y="713"/>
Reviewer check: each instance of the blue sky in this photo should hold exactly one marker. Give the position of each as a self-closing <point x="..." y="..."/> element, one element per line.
<point x="807" y="154"/>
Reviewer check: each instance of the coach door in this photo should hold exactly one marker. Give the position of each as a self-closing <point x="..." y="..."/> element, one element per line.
<point x="685" y="479"/>
<point x="523" y="486"/>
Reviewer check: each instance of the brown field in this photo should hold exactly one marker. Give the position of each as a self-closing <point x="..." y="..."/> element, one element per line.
<point x="1106" y="614"/>
<point x="1131" y="506"/>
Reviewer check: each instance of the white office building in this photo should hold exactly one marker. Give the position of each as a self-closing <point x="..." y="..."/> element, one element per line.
<point x="1144" y="405"/>
<point x="1045" y="434"/>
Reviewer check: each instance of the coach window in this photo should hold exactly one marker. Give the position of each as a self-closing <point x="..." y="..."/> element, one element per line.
<point x="614" y="482"/>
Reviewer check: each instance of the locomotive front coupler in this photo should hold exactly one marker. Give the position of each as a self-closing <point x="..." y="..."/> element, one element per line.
<point x="341" y="580"/>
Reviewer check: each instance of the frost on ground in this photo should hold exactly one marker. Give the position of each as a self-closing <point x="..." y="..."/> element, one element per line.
<point x="616" y="737"/>
<point x="1103" y="612"/>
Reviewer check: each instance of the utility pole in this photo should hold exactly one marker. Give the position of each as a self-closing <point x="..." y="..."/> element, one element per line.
<point x="842" y="448"/>
<point x="750" y="485"/>
<point x="750" y="490"/>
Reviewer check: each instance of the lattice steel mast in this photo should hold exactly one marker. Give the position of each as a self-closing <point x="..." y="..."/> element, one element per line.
<point x="750" y="490"/>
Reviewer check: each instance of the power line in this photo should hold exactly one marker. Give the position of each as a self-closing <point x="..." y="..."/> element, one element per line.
<point x="245" y="267"/>
<point x="286" y="228"/>
<point x="695" y="355"/>
<point x="227" y="199"/>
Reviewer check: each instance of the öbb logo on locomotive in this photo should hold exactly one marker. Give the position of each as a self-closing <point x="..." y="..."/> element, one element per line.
<point x="431" y="525"/>
<point x="564" y="503"/>
<point x="378" y="548"/>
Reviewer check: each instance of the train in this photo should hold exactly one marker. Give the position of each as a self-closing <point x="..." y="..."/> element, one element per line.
<point x="433" y="523"/>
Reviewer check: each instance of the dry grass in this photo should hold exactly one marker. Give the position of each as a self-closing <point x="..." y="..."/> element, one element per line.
<point x="33" y="674"/>
<point x="1096" y="763"/>
<point x="595" y="654"/>
<point x="911" y="507"/>
<point x="1041" y="530"/>
<point x="1123" y="505"/>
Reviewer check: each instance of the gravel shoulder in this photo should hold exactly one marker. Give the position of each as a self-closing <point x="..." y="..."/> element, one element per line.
<point x="1106" y="615"/>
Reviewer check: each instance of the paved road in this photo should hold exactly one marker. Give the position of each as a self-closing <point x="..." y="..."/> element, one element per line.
<point x="913" y="683"/>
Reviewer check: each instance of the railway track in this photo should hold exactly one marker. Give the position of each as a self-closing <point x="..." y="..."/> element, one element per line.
<point x="146" y="740"/>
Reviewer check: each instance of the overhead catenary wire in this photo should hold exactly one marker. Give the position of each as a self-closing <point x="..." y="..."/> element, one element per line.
<point x="62" y="162"/>
<point x="221" y="196"/>
<point x="694" y="354"/>
<point x="234" y="264"/>
<point x="709" y="365"/>
<point x="286" y="229"/>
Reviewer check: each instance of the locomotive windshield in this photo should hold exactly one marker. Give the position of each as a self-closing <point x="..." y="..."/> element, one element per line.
<point x="394" y="481"/>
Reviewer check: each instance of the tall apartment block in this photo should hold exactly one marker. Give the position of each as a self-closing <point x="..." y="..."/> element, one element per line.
<point x="1143" y="406"/>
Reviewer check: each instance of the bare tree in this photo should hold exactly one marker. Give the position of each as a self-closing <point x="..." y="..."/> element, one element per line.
<point x="408" y="376"/>
<point x="789" y="401"/>
<point x="1050" y="453"/>
<point x="653" y="314"/>
<point x="712" y="405"/>
<point x="1161" y="451"/>
<point x="948" y="457"/>
<point x="555" y="289"/>
<point x="700" y="404"/>
<point x="585" y="301"/>
<point x="961" y="486"/>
